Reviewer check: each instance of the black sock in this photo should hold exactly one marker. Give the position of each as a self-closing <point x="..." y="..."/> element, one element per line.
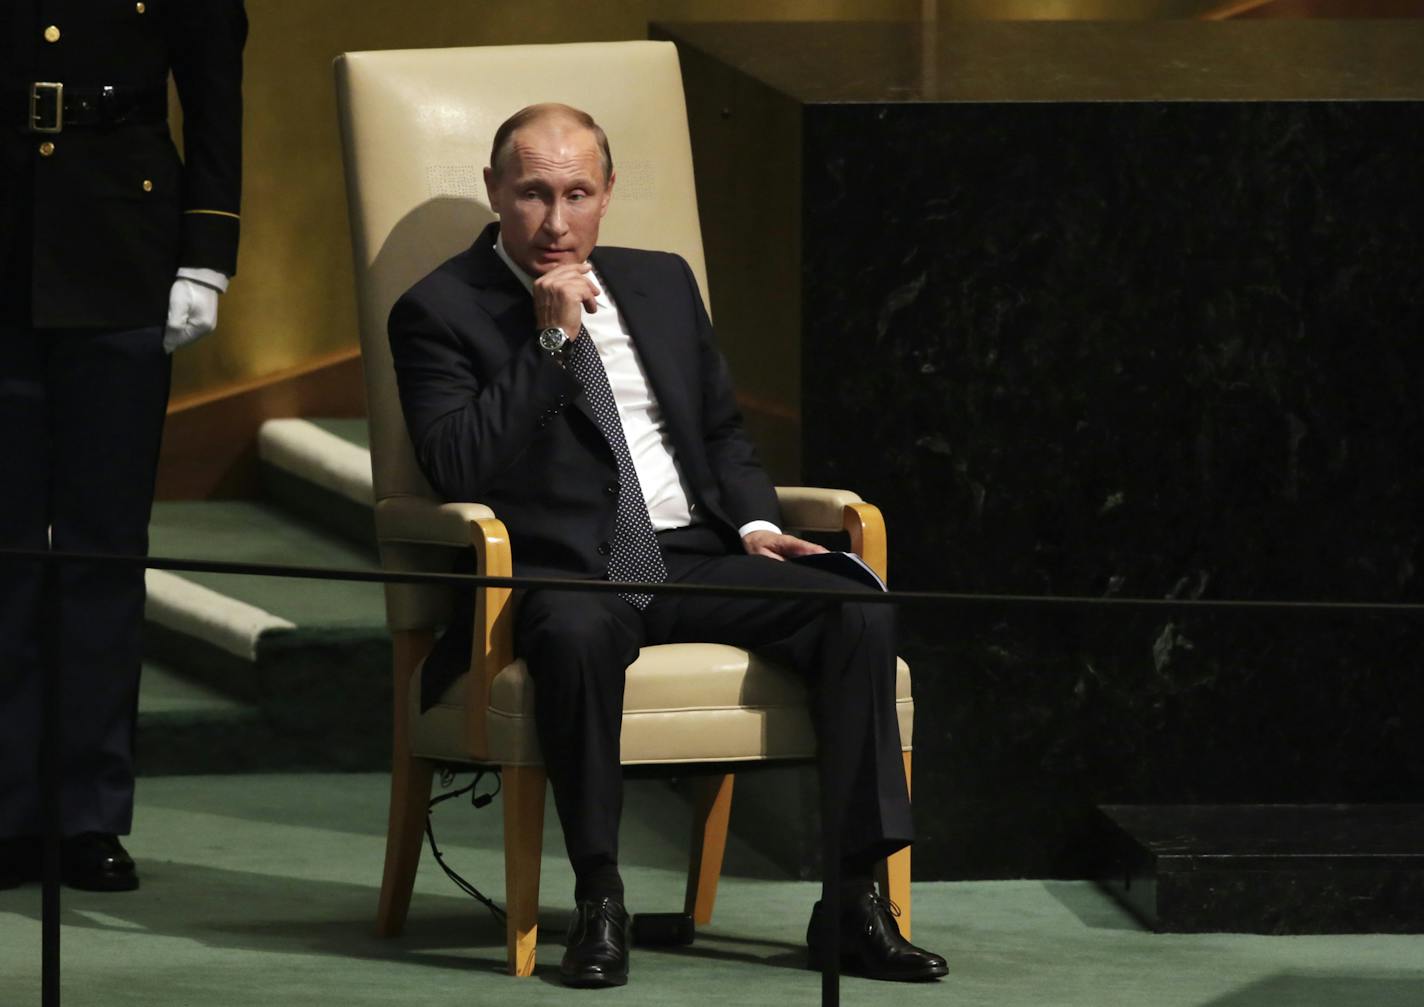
<point x="857" y="878"/>
<point x="597" y="878"/>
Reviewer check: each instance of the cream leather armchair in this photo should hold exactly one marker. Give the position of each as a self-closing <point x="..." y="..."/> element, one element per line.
<point x="417" y="127"/>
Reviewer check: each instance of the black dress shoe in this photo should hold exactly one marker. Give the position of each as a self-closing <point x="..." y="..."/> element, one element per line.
<point x="98" y="862"/>
<point x="21" y="859"/>
<point x="597" y="951"/>
<point x="871" y="943"/>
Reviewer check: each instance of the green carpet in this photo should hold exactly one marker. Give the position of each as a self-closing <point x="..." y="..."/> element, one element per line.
<point x="355" y="431"/>
<point x="322" y="689"/>
<point x="165" y="694"/>
<point x="260" y="890"/>
<point x="249" y="532"/>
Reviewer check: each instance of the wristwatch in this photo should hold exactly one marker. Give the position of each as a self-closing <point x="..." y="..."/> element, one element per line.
<point x="554" y="341"/>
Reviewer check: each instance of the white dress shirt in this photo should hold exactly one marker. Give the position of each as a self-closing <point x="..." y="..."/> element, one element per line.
<point x="665" y="491"/>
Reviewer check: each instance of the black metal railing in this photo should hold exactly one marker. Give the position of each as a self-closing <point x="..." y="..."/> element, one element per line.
<point x="51" y="646"/>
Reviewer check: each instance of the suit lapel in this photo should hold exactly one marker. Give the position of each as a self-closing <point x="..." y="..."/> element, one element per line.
<point x="660" y="352"/>
<point x="499" y="291"/>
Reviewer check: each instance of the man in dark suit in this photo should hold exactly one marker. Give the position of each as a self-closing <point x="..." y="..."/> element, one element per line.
<point x="112" y="255"/>
<point x="578" y="391"/>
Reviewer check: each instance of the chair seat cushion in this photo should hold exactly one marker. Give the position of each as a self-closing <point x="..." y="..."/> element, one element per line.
<point x="683" y="702"/>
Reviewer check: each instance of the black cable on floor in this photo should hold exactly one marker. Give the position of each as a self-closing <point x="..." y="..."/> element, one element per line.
<point x="447" y="777"/>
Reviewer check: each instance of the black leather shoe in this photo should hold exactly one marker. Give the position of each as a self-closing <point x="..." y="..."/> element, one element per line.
<point x="597" y="947"/>
<point x="20" y="861"/>
<point x="871" y="944"/>
<point x="98" y="862"/>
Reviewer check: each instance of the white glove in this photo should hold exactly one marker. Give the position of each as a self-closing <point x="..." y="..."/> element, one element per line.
<point x="192" y="312"/>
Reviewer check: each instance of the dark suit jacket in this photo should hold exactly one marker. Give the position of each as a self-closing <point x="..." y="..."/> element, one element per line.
<point x="83" y="242"/>
<point x="494" y="420"/>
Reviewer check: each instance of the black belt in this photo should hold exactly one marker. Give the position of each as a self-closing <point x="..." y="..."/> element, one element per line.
<point x="52" y="107"/>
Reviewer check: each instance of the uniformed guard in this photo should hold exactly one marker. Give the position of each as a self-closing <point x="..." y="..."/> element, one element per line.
<point x="113" y="252"/>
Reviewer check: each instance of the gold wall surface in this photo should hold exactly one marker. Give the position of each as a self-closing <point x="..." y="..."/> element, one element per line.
<point x="293" y="298"/>
<point x="1070" y="10"/>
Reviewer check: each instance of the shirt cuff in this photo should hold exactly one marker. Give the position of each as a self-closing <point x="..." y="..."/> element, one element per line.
<point x="207" y="277"/>
<point x="752" y="526"/>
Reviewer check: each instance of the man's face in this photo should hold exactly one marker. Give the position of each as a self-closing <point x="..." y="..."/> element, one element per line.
<point x="550" y="195"/>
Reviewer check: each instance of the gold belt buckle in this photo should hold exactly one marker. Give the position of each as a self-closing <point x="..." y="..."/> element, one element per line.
<point x="37" y="114"/>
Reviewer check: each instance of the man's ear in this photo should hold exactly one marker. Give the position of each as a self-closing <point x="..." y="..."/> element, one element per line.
<point x="491" y="189"/>
<point x="607" y="194"/>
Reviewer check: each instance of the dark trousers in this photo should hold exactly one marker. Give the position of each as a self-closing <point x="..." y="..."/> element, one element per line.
<point x="81" y="413"/>
<point x="578" y="647"/>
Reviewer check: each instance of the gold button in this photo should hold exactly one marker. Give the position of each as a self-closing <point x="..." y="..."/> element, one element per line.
<point x="147" y="185"/>
<point x="140" y="7"/>
<point x="46" y="149"/>
<point x="51" y="34"/>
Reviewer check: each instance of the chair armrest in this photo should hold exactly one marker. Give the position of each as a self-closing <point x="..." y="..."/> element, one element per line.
<point x="492" y="642"/>
<point x="810" y="508"/>
<point x="420" y="521"/>
<point x="413" y="520"/>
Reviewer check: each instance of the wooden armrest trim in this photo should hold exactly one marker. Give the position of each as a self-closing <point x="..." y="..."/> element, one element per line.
<point x="493" y="644"/>
<point x="866" y="527"/>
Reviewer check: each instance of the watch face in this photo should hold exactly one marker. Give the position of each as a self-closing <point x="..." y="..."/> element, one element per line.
<point x="552" y="339"/>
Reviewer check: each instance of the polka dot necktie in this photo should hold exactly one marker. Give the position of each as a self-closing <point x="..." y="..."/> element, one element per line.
<point x="635" y="555"/>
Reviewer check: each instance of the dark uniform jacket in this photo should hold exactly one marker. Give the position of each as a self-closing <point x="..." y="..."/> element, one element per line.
<point x="494" y="420"/>
<point x="96" y="220"/>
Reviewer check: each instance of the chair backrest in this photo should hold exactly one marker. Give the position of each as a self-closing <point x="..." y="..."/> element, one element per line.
<point x="417" y="126"/>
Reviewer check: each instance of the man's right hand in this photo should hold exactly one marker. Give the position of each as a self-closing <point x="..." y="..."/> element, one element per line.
<point x="560" y="294"/>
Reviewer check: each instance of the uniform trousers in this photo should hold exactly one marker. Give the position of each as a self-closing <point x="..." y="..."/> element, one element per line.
<point x="578" y="646"/>
<point x="81" y="412"/>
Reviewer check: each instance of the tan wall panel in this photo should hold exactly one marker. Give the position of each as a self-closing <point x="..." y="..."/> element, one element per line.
<point x="293" y="298"/>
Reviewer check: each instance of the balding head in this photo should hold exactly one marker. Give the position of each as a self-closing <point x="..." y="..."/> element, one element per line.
<point x="551" y="114"/>
<point x="549" y="181"/>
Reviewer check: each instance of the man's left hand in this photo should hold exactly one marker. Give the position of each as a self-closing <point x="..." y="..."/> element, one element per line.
<point x="775" y="545"/>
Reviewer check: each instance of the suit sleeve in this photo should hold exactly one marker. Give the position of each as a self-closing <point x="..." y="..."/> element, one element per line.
<point x="207" y="38"/>
<point x="747" y="492"/>
<point x="468" y="428"/>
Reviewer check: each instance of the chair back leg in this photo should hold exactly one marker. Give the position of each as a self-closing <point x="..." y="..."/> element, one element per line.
<point x="522" y="788"/>
<point x="410" y="793"/>
<point x="893" y="873"/>
<point x="711" y="813"/>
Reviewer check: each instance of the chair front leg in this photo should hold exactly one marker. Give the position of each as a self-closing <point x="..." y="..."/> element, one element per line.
<point x="893" y="873"/>
<point x="711" y="814"/>
<point x="523" y="790"/>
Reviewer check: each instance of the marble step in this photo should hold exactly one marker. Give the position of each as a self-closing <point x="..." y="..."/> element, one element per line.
<point x="1268" y="868"/>
<point x="320" y="470"/>
<point x="187" y="727"/>
<point x="312" y="657"/>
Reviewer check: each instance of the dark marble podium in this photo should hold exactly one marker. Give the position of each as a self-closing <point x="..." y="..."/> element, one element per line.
<point x="1270" y="869"/>
<point x="1105" y="309"/>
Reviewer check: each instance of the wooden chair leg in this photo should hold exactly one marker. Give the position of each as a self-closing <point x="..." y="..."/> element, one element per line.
<point x="893" y="873"/>
<point x="711" y="812"/>
<point x="410" y="794"/>
<point x="523" y="791"/>
<point x="405" y="834"/>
